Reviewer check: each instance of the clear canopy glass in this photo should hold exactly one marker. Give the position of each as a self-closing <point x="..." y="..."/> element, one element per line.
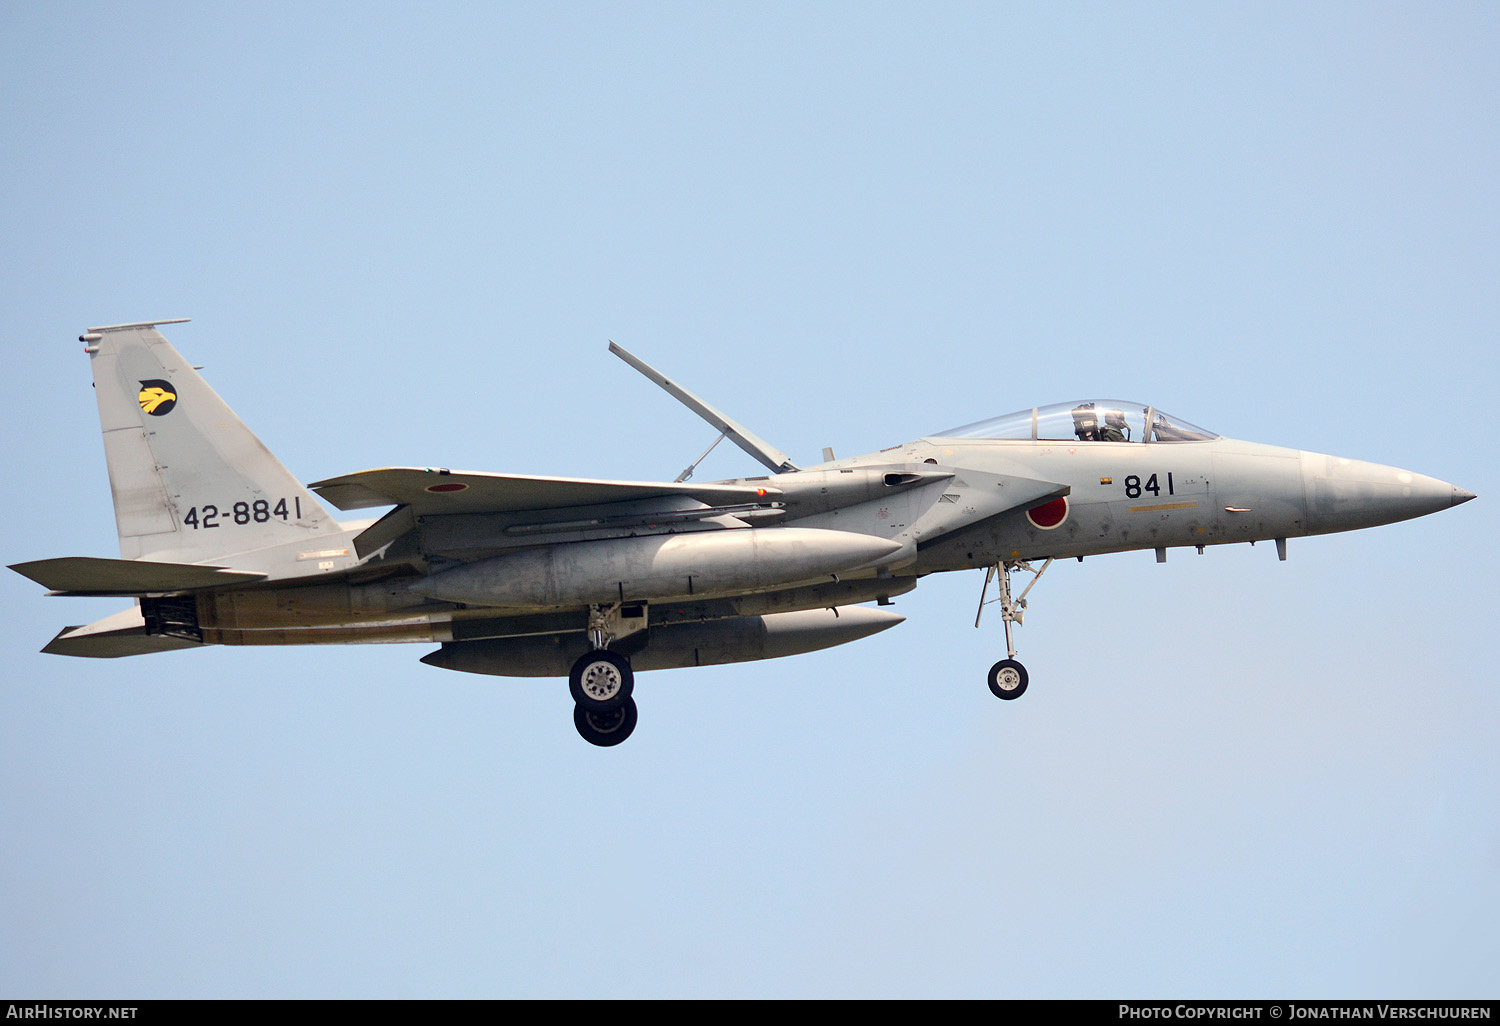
<point x="1087" y="421"/>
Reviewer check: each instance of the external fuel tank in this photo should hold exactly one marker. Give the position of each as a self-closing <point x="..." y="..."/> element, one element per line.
<point x="655" y="567"/>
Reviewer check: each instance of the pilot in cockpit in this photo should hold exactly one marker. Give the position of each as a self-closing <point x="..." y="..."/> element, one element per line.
<point x="1087" y="428"/>
<point x="1115" y="429"/>
<point x="1085" y="423"/>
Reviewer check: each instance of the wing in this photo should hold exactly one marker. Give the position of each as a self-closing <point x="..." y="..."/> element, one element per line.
<point x="468" y="509"/>
<point x="428" y="492"/>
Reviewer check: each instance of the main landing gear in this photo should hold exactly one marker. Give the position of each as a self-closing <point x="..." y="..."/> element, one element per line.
<point x="601" y="681"/>
<point x="1008" y="678"/>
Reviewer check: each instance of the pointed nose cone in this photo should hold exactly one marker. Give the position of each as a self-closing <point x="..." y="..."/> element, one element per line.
<point x="1348" y="494"/>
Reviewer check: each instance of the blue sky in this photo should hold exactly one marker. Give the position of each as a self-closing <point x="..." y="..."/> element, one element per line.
<point x="404" y="235"/>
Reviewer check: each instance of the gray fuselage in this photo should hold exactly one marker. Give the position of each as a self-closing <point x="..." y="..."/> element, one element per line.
<point x="1125" y="496"/>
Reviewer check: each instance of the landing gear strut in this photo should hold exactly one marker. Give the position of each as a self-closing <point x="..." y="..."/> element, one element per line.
<point x="1008" y="678"/>
<point x="601" y="681"/>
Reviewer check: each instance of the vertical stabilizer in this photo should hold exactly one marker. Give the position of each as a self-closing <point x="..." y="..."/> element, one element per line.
<point x="191" y="482"/>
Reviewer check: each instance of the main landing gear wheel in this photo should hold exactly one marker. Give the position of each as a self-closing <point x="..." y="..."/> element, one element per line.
<point x="607" y="727"/>
<point x="1008" y="679"/>
<point x="600" y="681"/>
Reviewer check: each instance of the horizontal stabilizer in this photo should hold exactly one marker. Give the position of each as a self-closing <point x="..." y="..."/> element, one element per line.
<point x="93" y="575"/>
<point x="430" y="492"/>
<point x="122" y="634"/>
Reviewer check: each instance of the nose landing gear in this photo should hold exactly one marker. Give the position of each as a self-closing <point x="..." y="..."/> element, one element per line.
<point x="1008" y="678"/>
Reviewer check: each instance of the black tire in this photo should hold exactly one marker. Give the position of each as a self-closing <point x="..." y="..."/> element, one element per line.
<point x="607" y="727"/>
<point x="1008" y="679"/>
<point x="601" y="680"/>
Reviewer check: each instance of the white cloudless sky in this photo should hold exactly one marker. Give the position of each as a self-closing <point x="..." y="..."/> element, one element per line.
<point x="404" y="234"/>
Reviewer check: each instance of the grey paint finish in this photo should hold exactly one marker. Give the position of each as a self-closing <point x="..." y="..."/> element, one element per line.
<point x="655" y="567"/>
<point x="476" y="559"/>
<point x="741" y="639"/>
<point x="173" y="446"/>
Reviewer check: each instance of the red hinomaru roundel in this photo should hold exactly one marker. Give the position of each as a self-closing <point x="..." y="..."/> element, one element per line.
<point x="1049" y="514"/>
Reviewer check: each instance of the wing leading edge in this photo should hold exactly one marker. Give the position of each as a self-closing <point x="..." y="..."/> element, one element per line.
<point x="428" y="491"/>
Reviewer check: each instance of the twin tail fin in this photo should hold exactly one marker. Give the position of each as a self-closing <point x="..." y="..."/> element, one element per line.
<point x="191" y="482"/>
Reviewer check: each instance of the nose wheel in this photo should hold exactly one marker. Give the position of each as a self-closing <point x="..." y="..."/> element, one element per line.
<point x="1008" y="678"/>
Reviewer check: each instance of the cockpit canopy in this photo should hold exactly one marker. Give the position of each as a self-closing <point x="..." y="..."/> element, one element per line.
<point x="1089" y="421"/>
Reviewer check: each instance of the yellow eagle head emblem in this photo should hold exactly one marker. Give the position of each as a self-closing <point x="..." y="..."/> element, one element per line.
<point x="157" y="397"/>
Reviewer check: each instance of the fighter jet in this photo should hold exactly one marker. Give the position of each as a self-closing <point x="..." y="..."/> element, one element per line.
<point x="594" y="579"/>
